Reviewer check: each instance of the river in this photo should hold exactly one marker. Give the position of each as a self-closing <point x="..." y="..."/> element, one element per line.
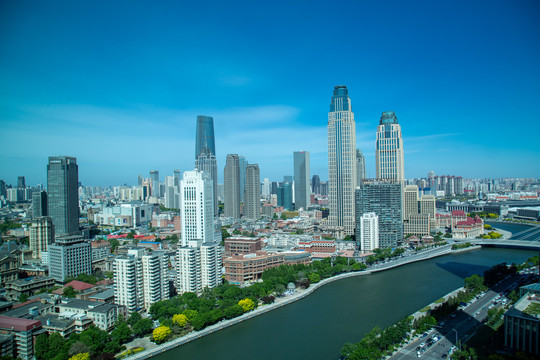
<point x="317" y="326"/>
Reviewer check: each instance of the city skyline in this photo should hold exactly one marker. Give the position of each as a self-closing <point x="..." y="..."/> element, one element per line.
<point x="459" y="77"/>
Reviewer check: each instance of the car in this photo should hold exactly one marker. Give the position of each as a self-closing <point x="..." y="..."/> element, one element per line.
<point x="422" y="345"/>
<point x="435" y="338"/>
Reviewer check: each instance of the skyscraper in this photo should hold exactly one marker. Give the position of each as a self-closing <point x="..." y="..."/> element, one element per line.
<point x="154" y="179"/>
<point x="21" y="183"/>
<point x="369" y="232"/>
<point x="63" y="194"/>
<point x="252" y="198"/>
<point x="341" y="162"/>
<point x="41" y="235"/>
<point x="316" y="184"/>
<point x="360" y="167"/>
<point x="389" y="148"/>
<point x="69" y="256"/>
<point x="232" y="186"/>
<point x="199" y="256"/>
<point x="39" y="204"/>
<point x="383" y="197"/>
<point x="205" y="152"/>
<point x="301" y="180"/>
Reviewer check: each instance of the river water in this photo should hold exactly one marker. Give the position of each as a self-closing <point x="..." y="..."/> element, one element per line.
<point x="317" y="326"/>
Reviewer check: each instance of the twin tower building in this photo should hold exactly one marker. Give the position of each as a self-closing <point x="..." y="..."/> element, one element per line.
<point x="350" y="194"/>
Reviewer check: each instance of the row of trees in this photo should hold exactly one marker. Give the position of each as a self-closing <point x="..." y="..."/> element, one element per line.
<point x="383" y="254"/>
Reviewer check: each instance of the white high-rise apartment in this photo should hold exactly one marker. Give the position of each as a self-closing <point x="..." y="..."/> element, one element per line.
<point x="41" y="235"/>
<point x="140" y="279"/>
<point x="389" y="148"/>
<point x="199" y="256"/>
<point x="341" y="162"/>
<point x="232" y="186"/>
<point x="410" y="201"/>
<point x="252" y="198"/>
<point x="266" y="187"/>
<point x="369" y="232"/>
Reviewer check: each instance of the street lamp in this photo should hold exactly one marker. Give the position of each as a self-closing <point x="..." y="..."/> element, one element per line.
<point x="456" y="338"/>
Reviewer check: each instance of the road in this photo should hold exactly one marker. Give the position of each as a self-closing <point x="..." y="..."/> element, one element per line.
<point x="439" y="342"/>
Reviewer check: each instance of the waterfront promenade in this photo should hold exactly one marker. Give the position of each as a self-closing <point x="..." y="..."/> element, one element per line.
<point x="285" y="300"/>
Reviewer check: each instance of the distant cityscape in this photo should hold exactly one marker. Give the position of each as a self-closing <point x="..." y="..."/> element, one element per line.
<point x="74" y="255"/>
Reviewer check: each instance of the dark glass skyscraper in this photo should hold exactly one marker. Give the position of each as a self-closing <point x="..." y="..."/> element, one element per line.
<point x="63" y="194"/>
<point x="205" y="152"/>
<point x="316" y="184"/>
<point x="302" y="191"/>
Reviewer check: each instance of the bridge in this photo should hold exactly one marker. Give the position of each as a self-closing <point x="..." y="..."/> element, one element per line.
<point x="526" y="239"/>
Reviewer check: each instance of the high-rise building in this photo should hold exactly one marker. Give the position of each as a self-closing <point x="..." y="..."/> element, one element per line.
<point x="140" y="279"/>
<point x="252" y="199"/>
<point x="154" y="180"/>
<point x="41" y="235"/>
<point x="199" y="256"/>
<point x="410" y="201"/>
<point x="301" y="180"/>
<point x="232" y="186"/>
<point x="341" y="162"/>
<point x="360" y="167"/>
<point x="69" y="256"/>
<point x="21" y="183"/>
<point x="177" y="178"/>
<point x="316" y="184"/>
<point x="285" y="196"/>
<point x="39" y="204"/>
<point x="384" y="198"/>
<point x="389" y="148"/>
<point x="63" y="194"/>
<point x="242" y="164"/>
<point x="205" y="152"/>
<point x="3" y="190"/>
<point x="266" y="187"/>
<point x="369" y="232"/>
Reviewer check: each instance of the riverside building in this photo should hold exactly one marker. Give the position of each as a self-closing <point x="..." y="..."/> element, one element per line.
<point x="341" y="162"/>
<point x="389" y="148"/>
<point x="63" y="194"/>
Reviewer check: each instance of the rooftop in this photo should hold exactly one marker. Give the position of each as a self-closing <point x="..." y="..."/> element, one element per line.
<point x="13" y="323"/>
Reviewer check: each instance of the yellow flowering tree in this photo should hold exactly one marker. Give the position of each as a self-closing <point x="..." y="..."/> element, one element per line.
<point x="80" y="356"/>
<point x="180" y="319"/>
<point x="246" y="304"/>
<point x="160" y="334"/>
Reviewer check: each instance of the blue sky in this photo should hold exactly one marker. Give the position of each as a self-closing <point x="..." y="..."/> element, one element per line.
<point x="119" y="84"/>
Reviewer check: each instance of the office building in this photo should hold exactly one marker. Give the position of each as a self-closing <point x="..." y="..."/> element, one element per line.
<point x="389" y="148"/>
<point x="369" y="232"/>
<point x="341" y="162"/>
<point x="285" y="196"/>
<point x="41" y="235"/>
<point x="266" y="187"/>
<point x="69" y="256"/>
<point x="232" y="186"/>
<point x="418" y="213"/>
<point x="205" y="152"/>
<point x="302" y="190"/>
<point x="21" y="183"/>
<point x="360" y="167"/>
<point x="154" y="181"/>
<point x="384" y="198"/>
<point x="252" y="198"/>
<point x="198" y="262"/>
<point x="63" y="194"/>
<point x="39" y="204"/>
<point x="140" y="279"/>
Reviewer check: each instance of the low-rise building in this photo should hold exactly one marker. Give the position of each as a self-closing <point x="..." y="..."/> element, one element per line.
<point x="29" y="286"/>
<point x="242" y="245"/>
<point x="318" y="246"/>
<point x="244" y="268"/>
<point x="522" y="325"/>
<point x="24" y="332"/>
<point x="468" y="229"/>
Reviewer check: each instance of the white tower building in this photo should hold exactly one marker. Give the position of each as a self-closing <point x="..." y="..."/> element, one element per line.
<point x="369" y="232"/>
<point x="199" y="256"/>
<point x="341" y="162"/>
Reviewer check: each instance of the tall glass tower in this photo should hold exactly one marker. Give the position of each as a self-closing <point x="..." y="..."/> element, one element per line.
<point x="205" y="152"/>
<point x="341" y="162"/>
<point x="360" y="167"/>
<point x="301" y="180"/>
<point x="63" y="194"/>
<point x="232" y="186"/>
<point x="389" y="148"/>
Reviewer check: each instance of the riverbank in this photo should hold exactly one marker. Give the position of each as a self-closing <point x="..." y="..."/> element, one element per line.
<point x="152" y="349"/>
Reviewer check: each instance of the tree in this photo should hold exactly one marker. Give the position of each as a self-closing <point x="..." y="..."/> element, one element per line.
<point x="69" y="292"/>
<point x="180" y="319"/>
<point x="475" y="283"/>
<point x="78" y="347"/>
<point x="122" y="333"/>
<point x="225" y="234"/>
<point x="160" y="334"/>
<point x="314" y="278"/>
<point x="142" y="327"/>
<point x="283" y="216"/>
<point x="233" y="311"/>
<point x="130" y="235"/>
<point x="247" y="304"/>
<point x="133" y="318"/>
<point x="237" y="232"/>
<point x="80" y="356"/>
<point x="23" y="298"/>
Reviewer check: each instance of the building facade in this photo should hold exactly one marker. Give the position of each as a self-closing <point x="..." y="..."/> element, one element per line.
<point x="369" y="232"/>
<point x="389" y="148"/>
<point x="41" y="235"/>
<point x="63" y="194"/>
<point x="360" y="167"/>
<point x="69" y="256"/>
<point x="302" y="189"/>
<point x="232" y="186"/>
<point x="252" y="198"/>
<point x="341" y="162"/>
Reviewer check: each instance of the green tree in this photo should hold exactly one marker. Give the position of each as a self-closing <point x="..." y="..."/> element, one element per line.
<point x="122" y="333"/>
<point x="225" y="234"/>
<point x="69" y="292"/>
<point x="133" y="318"/>
<point x="142" y="327"/>
<point x="474" y="283"/>
<point x="314" y="278"/>
<point x="23" y="298"/>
